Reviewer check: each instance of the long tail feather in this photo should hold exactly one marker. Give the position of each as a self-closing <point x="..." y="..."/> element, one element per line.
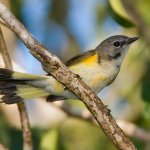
<point x="15" y="86"/>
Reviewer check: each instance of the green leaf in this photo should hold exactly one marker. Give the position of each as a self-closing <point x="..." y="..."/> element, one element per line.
<point x="16" y="6"/>
<point x="49" y="140"/>
<point x="145" y="91"/>
<point x="119" y="14"/>
<point x="77" y="134"/>
<point x="59" y="11"/>
<point x="146" y="112"/>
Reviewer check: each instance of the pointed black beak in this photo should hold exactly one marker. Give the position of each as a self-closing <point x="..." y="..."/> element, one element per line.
<point x="131" y="40"/>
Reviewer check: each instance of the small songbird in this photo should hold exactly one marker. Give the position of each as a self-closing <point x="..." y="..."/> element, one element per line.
<point x="97" y="68"/>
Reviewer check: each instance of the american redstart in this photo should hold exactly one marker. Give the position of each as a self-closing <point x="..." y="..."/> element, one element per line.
<point x="97" y="68"/>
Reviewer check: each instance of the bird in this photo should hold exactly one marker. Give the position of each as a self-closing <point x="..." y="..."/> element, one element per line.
<point x="97" y="68"/>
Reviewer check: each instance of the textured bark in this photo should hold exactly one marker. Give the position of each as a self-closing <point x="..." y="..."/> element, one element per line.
<point x="27" y="139"/>
<point x="54" y="66"/>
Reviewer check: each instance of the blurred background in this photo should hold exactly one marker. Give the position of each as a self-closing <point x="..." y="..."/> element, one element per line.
<point x="66" y="28"/>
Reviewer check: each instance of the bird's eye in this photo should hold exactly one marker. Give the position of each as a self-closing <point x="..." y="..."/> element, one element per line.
<point x="117" y="44"/>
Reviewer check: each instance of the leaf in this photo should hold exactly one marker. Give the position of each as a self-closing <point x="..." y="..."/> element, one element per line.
<point x="59" y="11"/>
<point x="49" y="140"/>
<point x="145" y="92"/>
<point x="119" y="14"/>
<point x="16" y="6"/>
<point x="82" y="135"/>
<point x="146" y="112"/>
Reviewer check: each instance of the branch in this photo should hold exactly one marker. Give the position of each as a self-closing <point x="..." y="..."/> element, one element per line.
<point x="2" y="147"/>
<point x="129" y="128"/>
<point x="4" y="51"/>
<point x="27" y="138"/>
<point x="134" y="131"/>
<point x="74" y="112"/>
<point x="54" y="66"/>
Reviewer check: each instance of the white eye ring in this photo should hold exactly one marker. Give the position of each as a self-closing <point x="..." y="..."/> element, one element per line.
<point x="117" y="44"/>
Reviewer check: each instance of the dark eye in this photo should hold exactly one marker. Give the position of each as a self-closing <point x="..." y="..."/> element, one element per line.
<point x="117" y="44"/>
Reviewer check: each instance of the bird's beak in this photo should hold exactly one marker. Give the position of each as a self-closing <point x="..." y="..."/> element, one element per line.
<point x="131" y="40"/>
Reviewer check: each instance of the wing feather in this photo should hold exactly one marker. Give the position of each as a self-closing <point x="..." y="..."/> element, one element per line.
<point x="79" y="57"/>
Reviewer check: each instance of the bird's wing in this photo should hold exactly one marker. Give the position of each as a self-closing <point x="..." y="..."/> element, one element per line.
<point x="80" y="57"/>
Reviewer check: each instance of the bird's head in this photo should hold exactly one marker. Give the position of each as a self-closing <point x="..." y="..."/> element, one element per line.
<point x="115" y="48"/>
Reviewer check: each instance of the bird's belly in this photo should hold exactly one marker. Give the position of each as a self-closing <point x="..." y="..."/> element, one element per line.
<point x="96" y="76"/>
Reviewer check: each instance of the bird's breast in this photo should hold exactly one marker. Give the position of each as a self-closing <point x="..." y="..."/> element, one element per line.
<point x="96" y="75"/>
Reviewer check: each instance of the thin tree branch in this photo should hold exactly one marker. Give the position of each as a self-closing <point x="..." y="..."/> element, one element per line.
<point x="27" y="138"/>
<point x="53" y="65"/>
<point x="4" y="51"/>
<point x="134" y="131"/>
<point x="27" y="135"/>
<point x="129" y="128"/>
<point x="74" y="112"/>
<point x="2" y="147"/>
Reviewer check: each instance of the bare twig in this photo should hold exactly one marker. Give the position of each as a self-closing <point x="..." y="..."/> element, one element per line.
<point x="53" y="65"/>
<point x="129" y="128"/>
<point x="2" y="147"/>
<point x="4" y="51"/>
<point x="134" y="131"/>
<point x="74" y="112"/>
<point x="27" y="138"/>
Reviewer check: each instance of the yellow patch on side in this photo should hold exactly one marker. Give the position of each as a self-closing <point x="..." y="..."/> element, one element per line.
<point x="59" y="88"/>
<point x="90" y="60"/>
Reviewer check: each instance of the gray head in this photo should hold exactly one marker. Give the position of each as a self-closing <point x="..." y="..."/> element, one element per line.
<point x="115" y="47"/>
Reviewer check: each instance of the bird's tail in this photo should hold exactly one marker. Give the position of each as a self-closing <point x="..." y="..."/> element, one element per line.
<point x="16" y="86"/>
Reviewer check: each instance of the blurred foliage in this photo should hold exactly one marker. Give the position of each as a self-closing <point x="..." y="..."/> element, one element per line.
<point x="145" y="93"/>
<point x="118" y="12"/>
<point x="4" y="135"/>
<point x="133" y="87"/>
<point x="59" y="11"/>
<point x="90" y="138"/>
<point x="15" y="6"/>
<point x="75" y="134"/>
<point x="146" y="85"/>
<point x="143" y="8"/>
<point x="102" y="12"/>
